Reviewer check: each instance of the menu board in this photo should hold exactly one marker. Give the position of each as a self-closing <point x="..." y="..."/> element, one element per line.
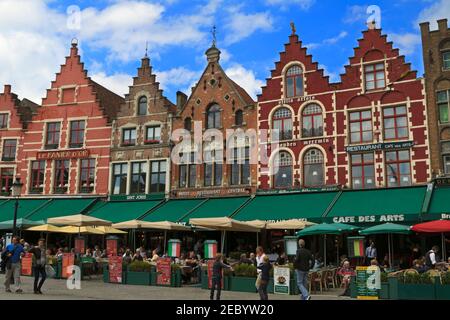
<point x="281" y="280"/>
<point x="115" y="269"/>
<point x="79" y="245"/>
<point x="67" y="261"/>
<point x="111" y="247"/>
<point x="367" y="283"/>
<point x="210" y="273"/>
<point x="27" y="264"/>
<point x="163" y="271"/>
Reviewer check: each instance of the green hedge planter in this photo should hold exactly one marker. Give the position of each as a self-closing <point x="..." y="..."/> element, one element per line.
<point x="138" y="278"/>
<point x="409" y="291"/>
<point x="384" y="292"/>
<point x="442" y="291"/>
<point x="242" y="284"/>
<point x="175" y="280"/>
<point x="105" y="274"/>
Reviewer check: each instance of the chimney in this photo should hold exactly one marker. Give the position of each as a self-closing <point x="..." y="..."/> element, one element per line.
<point x="7" y="89"/>
<point x="181" y="99"/>
<point x="442" y="25"/>
<point x="425" y="28"/>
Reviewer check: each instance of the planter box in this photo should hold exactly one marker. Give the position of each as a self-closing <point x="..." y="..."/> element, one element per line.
<point x="442" y="291"/>
<point x="384" y="292"/>
<point x="404" y="291"/>
<point x="175" y="280"/>
<point x="138" y="278"/>
<point x="105" y="274"/>
<point x="242" y="284"/>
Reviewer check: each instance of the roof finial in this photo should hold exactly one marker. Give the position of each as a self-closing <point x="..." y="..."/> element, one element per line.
<point x="214" y="34"/>
<point x="74" y="42"/>
<point x="146" y="49"/>
<point x="293" y="27"/>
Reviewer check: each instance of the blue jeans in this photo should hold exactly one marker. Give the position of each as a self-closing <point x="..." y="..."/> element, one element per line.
<point x="302" y="283"/>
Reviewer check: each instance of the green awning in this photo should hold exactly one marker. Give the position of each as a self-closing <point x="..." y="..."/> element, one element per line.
<point x="326" y="228"/>
<point x="386" y="228"/>
<point x="439" y="206"/>
<point x="61" y="207"/>
<point x="216" y="208"/>
<point x="26" y="207"/>
<point x="121" y="211"/>
<point x="20" y="223"/>
<point x="173" y="210"/>
<point x="308" y="205"/>
<point x="397" y="205"/>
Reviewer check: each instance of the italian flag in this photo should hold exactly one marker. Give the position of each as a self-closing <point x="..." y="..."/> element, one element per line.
<point x="210" y="250"/>
<point x="174" y="249"/>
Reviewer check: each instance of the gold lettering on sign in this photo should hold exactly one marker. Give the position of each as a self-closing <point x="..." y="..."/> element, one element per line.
<point x="56" y="155"/>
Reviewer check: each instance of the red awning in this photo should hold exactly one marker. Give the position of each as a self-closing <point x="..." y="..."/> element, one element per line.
<point x="438" y="226"/>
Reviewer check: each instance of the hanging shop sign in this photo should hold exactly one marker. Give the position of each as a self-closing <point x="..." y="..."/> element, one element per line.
<point x="115" y="269"/>
<point x="27" y="264"/>
<point x="368" y="282"/>
<point x="163" y="271"/>
<point x="380" y="146"/>
<point x="281" y="280"/>
<point x="62" y="155"/>
<point x="375" y="218"/>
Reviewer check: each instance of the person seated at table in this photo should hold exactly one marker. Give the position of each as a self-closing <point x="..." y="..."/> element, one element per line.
<point x="385" y="264"/>
<point x="282" y="259"/>
<point x="253" y="258"/>
<point x="192" y="262"/>
<point x="244" y="260"/>
<point x="345" y="272"/>
<point x="127" y="256"/>
<point x="419" y="266"/>
<point x="97" y="253"/>
<point x="137" y="256"/>
<point x="59" y="254"/>
<point x="88" y="253"/>
<point x="155" y="255"/>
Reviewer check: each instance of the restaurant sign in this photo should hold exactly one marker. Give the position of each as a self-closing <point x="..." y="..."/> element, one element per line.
<point x="137" y="197"/>
<point x="371" y="218"/>
<point x="63" y="155"/>
<point x="281" y="276"/>
<point x="220" y="192"/>
<point x="300" y="190"/>
<point x="368" y="282"/>
<point x="380" y="146"/>
<point x="442" y="181"/>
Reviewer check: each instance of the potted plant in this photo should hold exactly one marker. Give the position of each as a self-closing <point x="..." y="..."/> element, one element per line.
<point x="410" y="285"/>
<point x="384" y="291"/>
<point x="175" y="280"/>
<point x="443" y="287"/>
<point x="138" y="273"/>
<point x="244" y="278"/>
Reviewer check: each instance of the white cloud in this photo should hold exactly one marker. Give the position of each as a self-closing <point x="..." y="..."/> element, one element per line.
<point x="439" y="10"/>
<point x="328" y="41"/>
<point x="242" y="25"/>
<point x="356" y="13"/>
<point x="408" y="43"/>
<point x="117" y="83"/>
<point x="246" y="79"/>
<point x="333" y="77"/>
<point x="179" y="77"/>
<point x="283" y="4"/>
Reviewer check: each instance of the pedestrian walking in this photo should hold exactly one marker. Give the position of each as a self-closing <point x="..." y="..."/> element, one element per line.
<point x="217" y="276"/>
<point x="304" y="261"/>
<point x="13" y="254"/>
<point x="39" y="262"/>
<point x="264" y="267"/>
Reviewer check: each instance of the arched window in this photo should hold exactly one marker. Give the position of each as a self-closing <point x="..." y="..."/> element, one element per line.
<point x="282" y="124"/>
<point x="282" y="168"/>
<point x="313" y="171"/>
<point x="312" y="121"/>
<point x="142" y="106"/>
<point x="294" y="82"/>
<point x="188" y="124"/>
<point x="213" y="116"/>
<point x="239" y="118"/>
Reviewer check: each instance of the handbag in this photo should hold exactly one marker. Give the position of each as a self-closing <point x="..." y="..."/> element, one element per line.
<point x="258" y="281"/>
<point x="50" y="271"/>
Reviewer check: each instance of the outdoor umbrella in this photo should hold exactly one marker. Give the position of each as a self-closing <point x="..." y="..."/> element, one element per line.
<point x="293" y="224"/>
<point x="47" y="228"/>
<point x="223" y="224"/>
<point x="79" y="220"/>
<point x="166" y="225"/>
<point x="110" y="230"/>
<point x="132" y="224"/>
<point x="81" y="230"/>
<point x="437" y="226"/>
<point x="389" y="229"/>
<point x="20" y="223"/>
<point x="258" y="224"/>
<point x="324" y="229"/>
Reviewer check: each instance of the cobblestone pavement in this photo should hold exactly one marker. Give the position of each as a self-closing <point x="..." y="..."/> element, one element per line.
<point x="95" y="289"/>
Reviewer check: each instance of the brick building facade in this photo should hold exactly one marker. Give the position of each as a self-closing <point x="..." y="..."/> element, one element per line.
<point x="15" y="116"/>
<point x="66" y="147"/>
<point x="140" y="153"/>
<point x="369" y="130"/>
<point x="206" y="168"/>
<point x="436" y="59"/>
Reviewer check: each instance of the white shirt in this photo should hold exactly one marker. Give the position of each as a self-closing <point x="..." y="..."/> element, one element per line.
<point x="259" y="261"/>
<point x="433" y="257"/>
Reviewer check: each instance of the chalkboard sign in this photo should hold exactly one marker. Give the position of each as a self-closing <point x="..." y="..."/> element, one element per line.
<point x="368" y="283"/>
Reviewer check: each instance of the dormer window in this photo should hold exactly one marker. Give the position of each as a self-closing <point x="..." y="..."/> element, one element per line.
<point x="3" y="120"/>
<point x="374" y="76"/>
<point x="142" y="106"/>
<point x="294" y="82"/>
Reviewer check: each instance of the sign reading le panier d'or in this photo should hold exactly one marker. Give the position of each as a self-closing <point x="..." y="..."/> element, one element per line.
<point x="57" y="155"/>
<point x="380" y="146"/>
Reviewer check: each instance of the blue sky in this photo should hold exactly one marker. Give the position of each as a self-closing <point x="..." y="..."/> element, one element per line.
<point x="113" y="34"/>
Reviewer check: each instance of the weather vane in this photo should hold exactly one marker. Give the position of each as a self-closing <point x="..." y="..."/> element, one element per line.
<point x="214" y="34"/>
<point x="293" y="27"/>
<point x="146" y="49"/>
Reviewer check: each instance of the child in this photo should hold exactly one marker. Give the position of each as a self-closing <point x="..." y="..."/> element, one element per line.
<point x="217" y="276"/>
<point x="265" y="275"/>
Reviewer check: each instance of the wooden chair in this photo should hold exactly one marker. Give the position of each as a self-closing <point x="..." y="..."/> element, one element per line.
<point x="312" y="276"/>
<point x="331" y="278"/>
<point x="318" y="278"/>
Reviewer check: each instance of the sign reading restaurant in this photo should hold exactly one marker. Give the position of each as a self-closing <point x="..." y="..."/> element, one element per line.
<point x="370" y="219"/>
<point x="212" y="192"/>
<point x="380" y="146"/>
<point x="62" y="155"/>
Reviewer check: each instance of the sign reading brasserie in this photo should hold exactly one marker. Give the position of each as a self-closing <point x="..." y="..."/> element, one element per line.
<point x="442" y="181"/>
<point x="380" y="146"/>
<point x="370" y="219"/>
<point x="57" y="155"/>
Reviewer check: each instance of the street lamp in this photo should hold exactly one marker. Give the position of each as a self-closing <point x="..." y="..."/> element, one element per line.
<point x="16" y="189"/>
